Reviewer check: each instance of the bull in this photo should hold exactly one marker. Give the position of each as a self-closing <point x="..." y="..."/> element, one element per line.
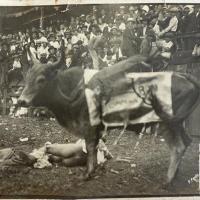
<point x="63" y="92"/>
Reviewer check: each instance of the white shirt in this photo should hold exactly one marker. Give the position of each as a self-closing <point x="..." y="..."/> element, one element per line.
<point x="55" y="44"/>
<point x="173" y="25"/>
<point x="83" y="38"/>
<point x="75" y="39"/>
<point x="16" y="64"/>
<point x="122" y="26"/>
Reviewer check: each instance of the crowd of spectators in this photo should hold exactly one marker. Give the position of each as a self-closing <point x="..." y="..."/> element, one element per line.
<point x="101" y="37"/>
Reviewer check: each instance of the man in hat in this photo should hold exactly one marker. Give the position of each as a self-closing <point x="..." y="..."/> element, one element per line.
<point x="43" y="49"/>
<point x="131" y="41"/>
<point x="189" y="25"/>
<point x="173" y="23"/>
<point x="132" y="12"/>
<point x="52" y="51"/>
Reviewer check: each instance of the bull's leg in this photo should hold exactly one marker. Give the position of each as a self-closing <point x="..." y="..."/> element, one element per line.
<point x="91" y="139"/>
<point x="173" y="136"/>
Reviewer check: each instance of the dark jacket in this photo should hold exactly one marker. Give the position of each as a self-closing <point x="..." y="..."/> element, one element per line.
<point x="130" y="43"/>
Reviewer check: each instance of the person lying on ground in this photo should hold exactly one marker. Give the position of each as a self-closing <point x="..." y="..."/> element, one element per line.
<point x="69" y="155"/>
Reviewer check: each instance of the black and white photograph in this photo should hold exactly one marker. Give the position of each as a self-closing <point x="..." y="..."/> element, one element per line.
<point x="99" y="100"/>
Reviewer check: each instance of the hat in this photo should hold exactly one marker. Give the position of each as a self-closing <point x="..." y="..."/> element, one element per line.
<point x="4" y="37"/>
<point x="43" y="40"/>
<point x="67" y="33"/>
<point x="13" y="41"/>
<point x="122" y="7"/>
<point x="114" y="27"/>
<point x="131" y="8"/>
<point x="188" y="6"/>
<point x="173" y="9"/>
<point x="79" y="42"/>
<point x="59" y="34"/>
<point x="145" y="8"/>
<point x="131" y="19"/>
<point x="38" y="41"/>
<point x="51" y="47"/>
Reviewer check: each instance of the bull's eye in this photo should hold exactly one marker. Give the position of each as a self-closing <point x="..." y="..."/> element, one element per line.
<point x="40" y="80"/>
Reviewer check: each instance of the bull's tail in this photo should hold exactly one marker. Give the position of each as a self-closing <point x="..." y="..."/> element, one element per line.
<point x="192" y="79"/>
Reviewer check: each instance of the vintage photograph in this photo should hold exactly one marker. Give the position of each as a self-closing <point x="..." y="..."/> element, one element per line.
<point x="99" y="100"/>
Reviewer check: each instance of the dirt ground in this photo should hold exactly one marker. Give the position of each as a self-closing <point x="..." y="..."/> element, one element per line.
<point x="143" y="176"/>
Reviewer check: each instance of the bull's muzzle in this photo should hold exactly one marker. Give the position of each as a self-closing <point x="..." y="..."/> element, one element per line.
<point x="22" y="102"/>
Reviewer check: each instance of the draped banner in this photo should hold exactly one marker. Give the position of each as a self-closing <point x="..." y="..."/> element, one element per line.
<point x="127" y="99"/>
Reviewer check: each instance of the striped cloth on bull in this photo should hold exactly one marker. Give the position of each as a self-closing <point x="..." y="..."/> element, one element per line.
<point x="126" y="97"/>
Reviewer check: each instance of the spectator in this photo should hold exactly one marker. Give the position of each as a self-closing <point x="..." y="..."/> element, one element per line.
<point x="197" y="13"/>
<point x="146" y="44"/>
<point x="130" y="45"/>
<point x="189" y="25"/>
<point x="42" y="51"/>
<point x="53" y="42"/>
<point x="173" y="23"/>
<point x="33" y="49"/>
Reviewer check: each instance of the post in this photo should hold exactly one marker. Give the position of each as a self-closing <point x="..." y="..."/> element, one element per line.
<point x="4" y="101"/>
<point x="41" y="17"/>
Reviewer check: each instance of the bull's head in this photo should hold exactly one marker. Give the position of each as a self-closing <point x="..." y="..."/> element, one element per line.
<point x="38" y="82"/>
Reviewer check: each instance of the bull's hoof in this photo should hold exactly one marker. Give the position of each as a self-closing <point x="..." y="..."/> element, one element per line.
<point x="168" y="186"/>
<point x="85" y="177"/>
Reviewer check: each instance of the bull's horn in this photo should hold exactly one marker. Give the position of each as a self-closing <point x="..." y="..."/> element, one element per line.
<point x="146" y="64"/>
<point x="34" y="60"/>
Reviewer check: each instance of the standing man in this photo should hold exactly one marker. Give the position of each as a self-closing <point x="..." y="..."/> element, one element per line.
<point x="131" y="41"/>
<point x="189" y="25"/>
